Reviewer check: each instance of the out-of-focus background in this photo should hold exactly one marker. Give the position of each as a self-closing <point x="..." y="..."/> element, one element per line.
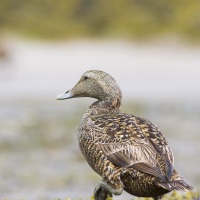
<point x="152" y="49"/>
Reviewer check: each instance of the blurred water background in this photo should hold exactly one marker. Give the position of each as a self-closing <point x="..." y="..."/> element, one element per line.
<point x="151" y="48"/>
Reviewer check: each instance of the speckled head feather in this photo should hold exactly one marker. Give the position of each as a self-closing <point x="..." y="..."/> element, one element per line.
<point x="96" y="84"/>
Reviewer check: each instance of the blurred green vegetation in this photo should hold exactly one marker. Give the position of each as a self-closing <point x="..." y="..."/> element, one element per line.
<point x="173" y="196"/>
<point x="61" y="19"/>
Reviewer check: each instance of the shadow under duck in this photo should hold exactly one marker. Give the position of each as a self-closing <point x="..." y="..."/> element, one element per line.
<point x="128" y="152"/>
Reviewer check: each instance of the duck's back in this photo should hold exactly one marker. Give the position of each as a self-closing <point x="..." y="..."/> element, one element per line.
<point x="132" y="144"/>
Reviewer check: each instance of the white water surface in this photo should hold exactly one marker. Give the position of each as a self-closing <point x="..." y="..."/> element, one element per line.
<point x="153" y="71"/>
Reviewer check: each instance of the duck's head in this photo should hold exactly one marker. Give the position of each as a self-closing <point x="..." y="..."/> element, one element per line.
<point x="95" y="84"/>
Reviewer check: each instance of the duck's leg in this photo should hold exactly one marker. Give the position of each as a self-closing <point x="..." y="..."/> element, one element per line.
<point x="103" y="190"/>
<point x="158" y="197"/>
<point x="101" y="194"/>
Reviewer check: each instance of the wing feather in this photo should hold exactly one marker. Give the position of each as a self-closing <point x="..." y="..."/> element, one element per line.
<point x="130" y="141"/>
<point x="160" y="144"/>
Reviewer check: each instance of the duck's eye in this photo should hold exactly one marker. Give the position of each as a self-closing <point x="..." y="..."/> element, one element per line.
<point x="85" y="78"/>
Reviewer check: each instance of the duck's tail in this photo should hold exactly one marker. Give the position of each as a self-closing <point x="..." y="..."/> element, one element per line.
<point x="175" y="182"/>
<point x="176" y="185"/>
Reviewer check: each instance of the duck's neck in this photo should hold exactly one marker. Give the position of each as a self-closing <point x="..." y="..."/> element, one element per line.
<point x="105" y="106"/>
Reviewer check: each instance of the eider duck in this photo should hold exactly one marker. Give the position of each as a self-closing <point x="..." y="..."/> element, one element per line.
<point x="128" y="152"/>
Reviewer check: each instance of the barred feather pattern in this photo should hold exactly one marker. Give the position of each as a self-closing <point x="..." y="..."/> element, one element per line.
<point x="130" y="152"/>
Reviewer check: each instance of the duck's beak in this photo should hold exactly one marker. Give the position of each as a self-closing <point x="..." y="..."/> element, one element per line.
<point x="65" y="95"/>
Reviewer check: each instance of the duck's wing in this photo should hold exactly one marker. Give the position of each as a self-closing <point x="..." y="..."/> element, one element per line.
<point x="155" y="136"/>
<point x="128" y="141"/>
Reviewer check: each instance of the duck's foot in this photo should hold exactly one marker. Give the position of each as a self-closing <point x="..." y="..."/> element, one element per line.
<point x="103" y="190"/>
<point x="158" y="197"/>
<point x="102" y="194"/>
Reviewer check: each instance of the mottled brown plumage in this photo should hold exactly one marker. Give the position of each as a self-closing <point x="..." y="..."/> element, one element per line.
<point x="128" y="152"/>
